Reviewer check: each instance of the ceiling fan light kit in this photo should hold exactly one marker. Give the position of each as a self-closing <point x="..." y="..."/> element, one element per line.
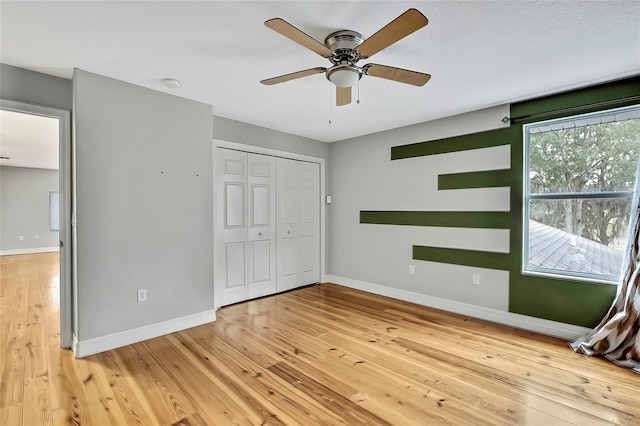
<point x="345" y="48"/>
<point x="344" y="75"/>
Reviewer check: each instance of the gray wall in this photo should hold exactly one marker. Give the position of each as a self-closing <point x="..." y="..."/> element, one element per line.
<point x="363" y="177"/>
<point x="129" y="221"/>
<point x="29" y="86"/>
<point x="236" y="131"/>
<point x="144" y="205"/>
<point x="24" y="208"/>
<point x="141" y="228"/>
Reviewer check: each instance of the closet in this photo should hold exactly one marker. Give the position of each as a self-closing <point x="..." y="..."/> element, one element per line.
<point x="267" y="226"/>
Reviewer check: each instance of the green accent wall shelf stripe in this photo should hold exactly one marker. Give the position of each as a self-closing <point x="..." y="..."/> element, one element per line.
<point x="483" y="179"/>
<point x="500" y="220"/>
<point x="442" y="146"/>
<point x="562" y="300"/>
<point x="595" y="98"/>
<point x="480" y="259"/>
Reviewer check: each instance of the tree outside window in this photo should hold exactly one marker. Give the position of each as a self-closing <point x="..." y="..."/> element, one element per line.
<point x="579" y="180"/>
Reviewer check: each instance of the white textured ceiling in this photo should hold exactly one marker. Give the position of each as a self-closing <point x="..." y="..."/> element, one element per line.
<point x="480" y="53"/>
<point x="29" y="140"/>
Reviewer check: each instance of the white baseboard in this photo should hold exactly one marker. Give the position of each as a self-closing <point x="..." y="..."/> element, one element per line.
<point x="28" y="251"/>
<point x="112" y="341"/>
<point x="538" y="325"/>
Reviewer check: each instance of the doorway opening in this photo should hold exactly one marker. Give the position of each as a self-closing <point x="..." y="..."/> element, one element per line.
<point x="35" y="177"/>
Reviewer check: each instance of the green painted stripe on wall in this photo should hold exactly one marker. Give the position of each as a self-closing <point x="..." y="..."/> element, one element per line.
<point x="483" y="179"/>
<point x="614" y="94"/>
<point x="459" y="143"/>
<point x="562" y="300"/>
<point x="480" y="259"/>
<point x="500" y="220"/>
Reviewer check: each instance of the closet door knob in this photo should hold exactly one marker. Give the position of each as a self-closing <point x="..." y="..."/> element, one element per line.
<point x="288" y="232"/>
<point x="260" y="234"/>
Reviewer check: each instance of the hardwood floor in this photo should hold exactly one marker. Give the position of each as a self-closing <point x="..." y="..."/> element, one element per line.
<point x="318" y="355"/>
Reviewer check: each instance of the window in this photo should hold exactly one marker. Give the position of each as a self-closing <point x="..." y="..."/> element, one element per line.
<point x="54" y="211"/>
<point x="579" y="177"/>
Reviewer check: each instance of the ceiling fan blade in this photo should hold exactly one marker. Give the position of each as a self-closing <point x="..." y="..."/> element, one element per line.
<point x="399" y="28"/>
<point x="286" y="29"/>
<point x="397" y="74"/>
<point x="292" y="76"/>
<point x="343" y="96"/>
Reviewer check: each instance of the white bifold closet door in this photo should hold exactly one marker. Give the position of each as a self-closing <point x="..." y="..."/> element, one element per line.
<point x="245" y="255"/>
<point x="298" y="223"/>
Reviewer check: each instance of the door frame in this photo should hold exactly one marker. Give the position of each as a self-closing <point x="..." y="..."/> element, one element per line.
<point x="65" y="190"/>
<point x="252" y="149"/>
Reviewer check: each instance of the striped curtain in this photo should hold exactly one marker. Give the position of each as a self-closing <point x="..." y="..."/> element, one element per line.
<point x="616" y="337"/>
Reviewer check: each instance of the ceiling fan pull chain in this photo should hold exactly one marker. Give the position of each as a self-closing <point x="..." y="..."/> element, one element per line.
<point x="358" y="100"/>
<point x="330" y="102"/>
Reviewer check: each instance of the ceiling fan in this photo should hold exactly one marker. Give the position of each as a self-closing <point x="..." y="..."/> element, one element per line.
<point x="345" y="48"/>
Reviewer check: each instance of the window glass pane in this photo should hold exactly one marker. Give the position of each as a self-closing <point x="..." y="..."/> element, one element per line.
<point x="578" y="237"/>
<point x="586" y="154"/>
<point x="54" y="211"/>
<point x="592" y="154"/>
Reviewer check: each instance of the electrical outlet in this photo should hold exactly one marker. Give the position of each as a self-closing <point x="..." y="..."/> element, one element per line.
<point x="412" y="270"/>
<point x="21" y="238"/>
<point x="476" y="279"/>
<point x="142" y="295"/>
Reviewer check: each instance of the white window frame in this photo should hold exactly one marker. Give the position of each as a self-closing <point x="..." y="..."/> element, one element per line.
<point x="527" y="197"/>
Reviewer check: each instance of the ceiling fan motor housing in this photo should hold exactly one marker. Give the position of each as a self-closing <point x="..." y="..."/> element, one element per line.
<point x="343" y="40"/>
<point x="344" y="72"/>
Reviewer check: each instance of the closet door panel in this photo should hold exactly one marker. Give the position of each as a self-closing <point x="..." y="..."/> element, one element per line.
<point x="267" y="225"/>
<point x="230" y="251"/>
<point x="289" y="251"/>
<point x="287" y="195"/>
<point x="261" y="230"/>
<point x="234" y="205"/>
<point x="308" y="253"/>
<point x="298" y="223"/>
<point x="235" y="261"/>
<point x="261" y="201"/>
<point x="309" y="223"/>
<point x="262" y="255"/>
